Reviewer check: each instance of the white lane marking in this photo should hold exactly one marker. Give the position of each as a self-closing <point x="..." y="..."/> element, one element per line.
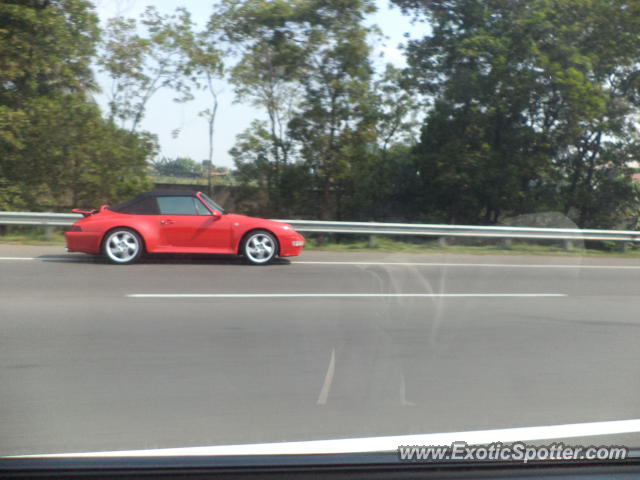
<point x="492" y="265"/>
<point x="42" y="259"/>
<point x="71" y="260"/>
<point x="383" y="444"/>
<point x="328" y="379"/>
<point x="342" y="295"/>
<point x="403" y="393"/>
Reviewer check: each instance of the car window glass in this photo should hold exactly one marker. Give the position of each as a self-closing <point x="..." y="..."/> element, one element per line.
<point x="177" y="206"/>
<point x="146" y="206"/>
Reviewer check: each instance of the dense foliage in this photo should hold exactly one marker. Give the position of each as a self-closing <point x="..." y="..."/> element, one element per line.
<point x="534" y="107"/>
<point x="526" y="105"/>
<point x="55" y="146"/>
<point x="506" y="107"/>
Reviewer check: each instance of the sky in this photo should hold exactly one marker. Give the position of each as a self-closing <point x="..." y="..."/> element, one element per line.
<point x="164" y="116"/>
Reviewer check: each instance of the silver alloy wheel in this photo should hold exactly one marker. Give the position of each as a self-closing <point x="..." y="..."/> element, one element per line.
<point x="122" y="246"/>
<point x="260" y="248"/>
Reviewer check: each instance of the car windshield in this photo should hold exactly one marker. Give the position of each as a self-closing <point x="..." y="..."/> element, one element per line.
<point x="431" y="232"/>
<point x="213" y="205"/>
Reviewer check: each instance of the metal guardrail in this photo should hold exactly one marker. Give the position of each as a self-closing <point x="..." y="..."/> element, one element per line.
<point x="371" y="228"/>
<point x="39" y="219"/>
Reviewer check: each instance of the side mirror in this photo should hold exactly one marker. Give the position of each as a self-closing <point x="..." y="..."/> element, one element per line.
<point x="216" y="214"/>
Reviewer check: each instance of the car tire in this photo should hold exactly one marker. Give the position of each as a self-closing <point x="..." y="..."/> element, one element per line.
<point x="259" y="247"/>
<point x="122" y="246"/>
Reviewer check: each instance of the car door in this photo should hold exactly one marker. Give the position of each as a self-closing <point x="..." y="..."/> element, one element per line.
<point x="186" y="225"/>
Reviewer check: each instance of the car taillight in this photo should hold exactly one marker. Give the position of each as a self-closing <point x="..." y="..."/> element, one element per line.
<point x="75" y="228"/>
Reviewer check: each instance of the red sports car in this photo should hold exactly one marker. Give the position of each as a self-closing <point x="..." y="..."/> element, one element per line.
<point x="179" y="222"/>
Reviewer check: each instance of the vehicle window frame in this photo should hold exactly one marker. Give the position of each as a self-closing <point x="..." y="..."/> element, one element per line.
<point x="213" y="205"/>
<point x="193" y="204"/>
<point x="207" y="212"/>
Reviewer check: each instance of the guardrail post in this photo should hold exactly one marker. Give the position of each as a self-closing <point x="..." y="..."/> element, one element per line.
<point x="507" y="243"/>
<point x="442" y="242"/>
<point x="625" y="246"/>
<point x="48" y="232"/>
<point x="568" y="245"/>
<point x="372" y="241"/>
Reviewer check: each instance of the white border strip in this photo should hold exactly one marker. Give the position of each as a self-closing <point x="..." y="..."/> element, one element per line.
<point x="382" y="444"/>
<point x="344" y="295"/>
<point x="43" y="259"/>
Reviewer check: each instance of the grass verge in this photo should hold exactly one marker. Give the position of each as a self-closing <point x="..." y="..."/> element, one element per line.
<point x="389" y="245"/>
<point x="33" y="237"/>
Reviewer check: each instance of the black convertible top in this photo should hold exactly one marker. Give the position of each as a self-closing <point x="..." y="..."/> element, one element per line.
<point x="143" y="203"/>
<point x="164" y="193"/>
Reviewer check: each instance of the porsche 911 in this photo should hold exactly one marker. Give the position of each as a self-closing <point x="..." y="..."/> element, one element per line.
<point x="170" y="221"/>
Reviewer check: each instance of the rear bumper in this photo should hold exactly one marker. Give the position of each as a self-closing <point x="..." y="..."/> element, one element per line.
<point x="85" y="242"/>
<point x="291" y="244"/>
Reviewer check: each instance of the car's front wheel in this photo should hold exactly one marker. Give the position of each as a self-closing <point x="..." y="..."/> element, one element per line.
<point x="260" y="247"/>
<point x="122" y="246"/>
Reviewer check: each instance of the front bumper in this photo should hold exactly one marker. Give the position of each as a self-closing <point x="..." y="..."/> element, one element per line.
<point x="291" y="244"/>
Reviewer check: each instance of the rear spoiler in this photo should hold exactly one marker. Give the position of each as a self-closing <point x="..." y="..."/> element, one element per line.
<point x="84" y="213"/>
<point x="88" y="213"/>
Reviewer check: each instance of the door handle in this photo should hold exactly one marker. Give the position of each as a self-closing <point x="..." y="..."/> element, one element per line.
<point x="167" y="222"/>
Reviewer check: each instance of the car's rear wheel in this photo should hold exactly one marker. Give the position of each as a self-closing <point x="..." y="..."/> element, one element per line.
<point x="122" y="246"/>
<point x="260" y="247"/>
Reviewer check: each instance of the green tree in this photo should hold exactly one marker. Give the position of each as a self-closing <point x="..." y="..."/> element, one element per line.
<point x="307" y="64"/>
<point x="204" y="67"/>
<point x="396" y="107"/>
<point x="334" y="122"/>
<point x="380" y="184"/>
<point x="270" y="43"/>
<point x="55" y="147"/>
<point x="45" y="49"/>
<point x="534" y="103"/>
<point x="141" y="64"/>
<point x="179" y="167"/>
<point x="288" y="186"/>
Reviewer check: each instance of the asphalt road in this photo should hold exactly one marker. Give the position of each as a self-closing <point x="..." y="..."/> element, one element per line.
<point x="86" y="366"/>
